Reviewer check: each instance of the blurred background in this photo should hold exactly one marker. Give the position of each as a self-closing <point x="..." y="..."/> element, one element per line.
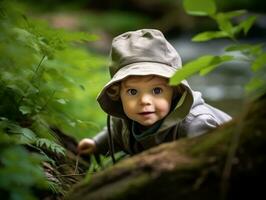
<point x="223" y="88"/>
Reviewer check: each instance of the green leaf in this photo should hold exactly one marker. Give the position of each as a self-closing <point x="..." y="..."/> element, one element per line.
<point x="207" y="62"/>
<point x="205" y="36"/>
<point x="25" y="109"/>
<point x="259" y="62"/>
<point x="26" y="38"/>
<point x="256" y="49"/>
<point x="16" y="89"/>
<point x="62" y="101"/>
<point x="32" y="90"/>
<point x="25" y="135"/>
<point x="238" y="47"/>
<point x="232" y="14"/>
<point x="249" y="49"/>
<point x="225" y="24"/>
<point x="247" y="24"/>
<point x="216" y="61"/>
<point x="223" y="20"/>
<point x="50" y="145"/>
<point x="200" y="7"/>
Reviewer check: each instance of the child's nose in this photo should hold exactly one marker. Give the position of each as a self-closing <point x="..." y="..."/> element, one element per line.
<point x="145" y="99"/>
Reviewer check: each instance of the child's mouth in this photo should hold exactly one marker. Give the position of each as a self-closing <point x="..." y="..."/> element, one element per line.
<point x="146" y="113"/>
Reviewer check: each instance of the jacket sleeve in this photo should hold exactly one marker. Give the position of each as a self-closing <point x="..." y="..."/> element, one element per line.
<point x="202" y="118"/>
<point x="197" y="125"/>
<point x="101" y="139"/>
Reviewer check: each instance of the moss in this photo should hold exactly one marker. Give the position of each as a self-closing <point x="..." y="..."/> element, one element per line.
<point x="120" y="189"/>
<point x="208" y="143"/>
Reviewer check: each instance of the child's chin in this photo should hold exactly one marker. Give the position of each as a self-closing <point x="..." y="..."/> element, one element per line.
<point x="149" y="123"/>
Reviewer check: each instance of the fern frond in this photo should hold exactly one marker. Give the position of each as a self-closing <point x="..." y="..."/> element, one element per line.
<point x="50" y="145"/>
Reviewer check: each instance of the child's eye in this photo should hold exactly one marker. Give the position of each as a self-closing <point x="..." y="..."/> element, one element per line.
<point x="157" y="90"/>
<point x="132" y="91"/>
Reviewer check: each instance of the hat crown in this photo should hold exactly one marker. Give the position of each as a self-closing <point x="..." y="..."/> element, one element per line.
<point x="145" y="45"/>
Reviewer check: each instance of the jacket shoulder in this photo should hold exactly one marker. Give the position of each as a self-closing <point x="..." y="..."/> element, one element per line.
<point x="201" y="119"/>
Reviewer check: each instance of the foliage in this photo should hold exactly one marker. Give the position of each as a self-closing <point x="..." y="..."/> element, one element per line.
<point x="50" y="145"/>
<point x="41" y="70"/>
<point x="20" y="171"/>
<point x="227" y="28"/>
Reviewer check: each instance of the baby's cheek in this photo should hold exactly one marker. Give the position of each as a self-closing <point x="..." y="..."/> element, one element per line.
<point x="163" y="107"/>
<point x="129" y="106"/>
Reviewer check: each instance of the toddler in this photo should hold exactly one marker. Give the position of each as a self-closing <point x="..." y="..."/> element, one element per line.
<point x="143" y="109"/>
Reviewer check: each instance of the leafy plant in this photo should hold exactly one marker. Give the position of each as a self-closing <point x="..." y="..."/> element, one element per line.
<point x="50" y="145"/>
<point x="227" y="28"/>
<point x="38" y="77"/>
<point x="20" y="171"/>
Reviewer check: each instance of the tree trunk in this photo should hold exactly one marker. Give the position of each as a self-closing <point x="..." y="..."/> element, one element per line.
<point x="228" y="163"/>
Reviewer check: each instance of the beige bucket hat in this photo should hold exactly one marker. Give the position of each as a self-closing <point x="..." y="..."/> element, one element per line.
<point x="141" y="52"/>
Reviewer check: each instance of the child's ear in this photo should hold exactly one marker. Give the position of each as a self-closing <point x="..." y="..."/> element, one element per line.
<point x="114" y="92"/>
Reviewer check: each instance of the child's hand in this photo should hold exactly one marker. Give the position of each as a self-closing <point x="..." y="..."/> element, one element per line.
<point x="86" y="146"/>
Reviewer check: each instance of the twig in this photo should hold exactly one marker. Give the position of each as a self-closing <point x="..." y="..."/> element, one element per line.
<point x="77" y="163"/>
<point x="64" y="175"/>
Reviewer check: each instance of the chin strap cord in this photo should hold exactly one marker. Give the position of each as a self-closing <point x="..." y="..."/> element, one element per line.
<point x="110" y="139"/>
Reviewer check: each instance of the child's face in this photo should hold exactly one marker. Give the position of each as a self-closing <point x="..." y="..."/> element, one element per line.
<point x="146" y="99"/>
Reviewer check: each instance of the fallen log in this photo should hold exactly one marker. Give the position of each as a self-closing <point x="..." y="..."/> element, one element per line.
<point x="228" y="163"/>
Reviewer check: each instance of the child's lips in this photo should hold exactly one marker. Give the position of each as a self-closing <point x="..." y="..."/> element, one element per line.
<point x="146" y="113"/>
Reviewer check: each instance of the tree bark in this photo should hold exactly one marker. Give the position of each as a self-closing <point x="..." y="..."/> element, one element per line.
<point x="228" y="163"/>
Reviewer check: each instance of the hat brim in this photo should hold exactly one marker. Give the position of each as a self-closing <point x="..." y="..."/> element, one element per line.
<point x="142" y="69"/>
